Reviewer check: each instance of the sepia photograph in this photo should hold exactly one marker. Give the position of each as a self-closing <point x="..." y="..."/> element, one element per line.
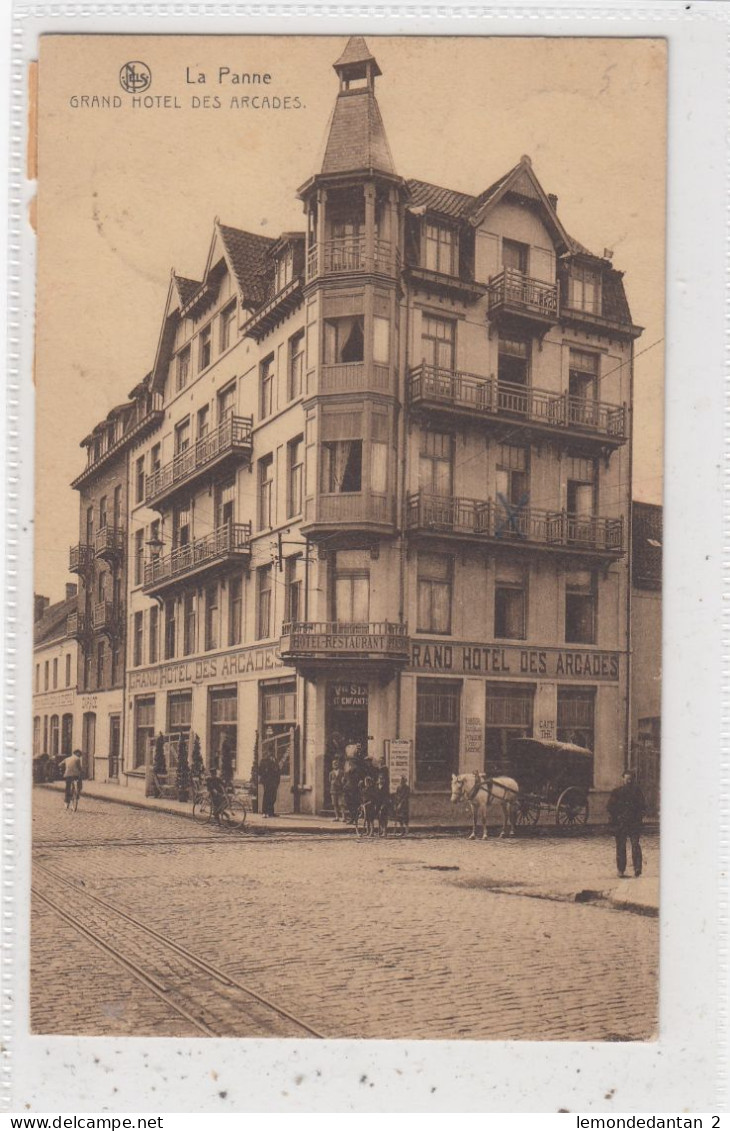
<point x="347" y="618"/>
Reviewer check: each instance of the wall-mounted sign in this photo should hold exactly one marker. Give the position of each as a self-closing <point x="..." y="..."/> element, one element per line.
<point x="45" y="701"/>
<point x="511" y="662"/>
<point x="398" y="757"/>
<point x="247" y="661"/>
<point x="352" y="696"/>
<point x="473" y="735"/>
<point x="546" y="729"/>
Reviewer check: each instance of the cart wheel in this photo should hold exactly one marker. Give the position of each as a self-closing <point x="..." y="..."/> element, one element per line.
<point x="202" y="808"/>
<point x="234" y="813"/>
<point x="572" y="809"/>
<point x="528" y="811"/>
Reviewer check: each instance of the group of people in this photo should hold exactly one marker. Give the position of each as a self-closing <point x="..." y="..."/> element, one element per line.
<point x="359" y="784"/>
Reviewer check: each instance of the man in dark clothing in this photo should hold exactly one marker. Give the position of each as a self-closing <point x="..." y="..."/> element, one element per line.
<point x="626" y="808"/>
<point x="269" y="776"/>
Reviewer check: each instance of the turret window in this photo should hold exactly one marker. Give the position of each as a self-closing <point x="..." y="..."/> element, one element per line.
<point x="344" y="340"/>
<point x="342" y="466"/>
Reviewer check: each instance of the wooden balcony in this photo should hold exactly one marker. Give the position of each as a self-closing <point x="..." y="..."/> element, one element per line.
<point x="230" y="443"/>
<point x="347" y="255"/>
<point x="327" y="516"/>
<point x="109" y="543"/>
<point x="80" y="558"/>
<point x="319" y="646"/>
<point x="77" y="626"/>
<point x="519" y="298"/>
<point x="354" y="376"/>
<point x="501" y="524"/>
<point x="536" y="411"/>
<point x="107" y="617"/>
<point x="228" y="545"/>
<point x="147" y="415"/>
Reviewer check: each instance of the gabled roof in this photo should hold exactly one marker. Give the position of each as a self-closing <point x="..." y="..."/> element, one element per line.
<point x="246" y="254"/>
<point x="52" y="625"/>
<point x="186" y="288"/>
<point x="356" y="137"/>
<point x="445" y="201"/>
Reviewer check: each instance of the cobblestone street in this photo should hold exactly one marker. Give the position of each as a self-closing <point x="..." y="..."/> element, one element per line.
<point x="422" y="938"/>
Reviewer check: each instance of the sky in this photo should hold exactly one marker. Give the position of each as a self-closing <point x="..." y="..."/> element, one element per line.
<point x="127" y="193"/>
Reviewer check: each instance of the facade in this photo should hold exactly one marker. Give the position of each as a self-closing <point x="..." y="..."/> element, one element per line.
<point x="386" y="497"/>
<point x="646" y="645"/>
<point x="55" y="714"/>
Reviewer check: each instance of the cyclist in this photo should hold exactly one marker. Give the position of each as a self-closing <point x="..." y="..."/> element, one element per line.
<point x="217" y="794"/>
<point x="71" y="768"/>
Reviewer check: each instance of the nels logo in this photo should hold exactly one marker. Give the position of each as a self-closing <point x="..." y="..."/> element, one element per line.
<point x="135" y="77"/>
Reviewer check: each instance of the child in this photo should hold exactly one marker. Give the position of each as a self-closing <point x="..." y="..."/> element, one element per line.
<point x="337" y="790"/>
<point x="368" y="803"/>
<point x="402" y="795"/>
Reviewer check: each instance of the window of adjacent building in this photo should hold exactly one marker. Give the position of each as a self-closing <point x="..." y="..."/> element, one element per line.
<point x="55" y="733"/>
<point x="514" y="256"/>
<point x="263" y="602"/>
<point x="438" y="338"/>
<point x="295" y="461"/>
<point x="182" y="436"/>
<point x="581" y="489"/>
<point x="189" y="619"/>
<point x="138" y="638"/>
<point x="351" y="592"/>
<point x="510" y="601"/>
<point x="296" y="366"/>
<point x="68" y="669"/>
<point x="205" y="345"/>
<point x="226" y="402"/>
<point x="584" y="289"/>
<point x="436" y="463"/>
<point x="139" y="479"/>
<point x="294" y="589"/>
<point x="284" y="269"/>
<point x="342" y="466"/>
<point x="153" y="628"/>
<point x="266" y="492"/>
<point x="37" y="735"/>
<point x="512" y="483"/>
<point x="100" y="657"/>
<point x="203" y="421"/>
<point x="144" y="729"/>
<point x="266" y="381"/>
<point x="580" y="607"/>
<point x="179" y="712"/>
<point x="45" y="733"/>
<point x="181" y="525"/>
<point x="183" y="369"/>
<point x="223" y="715"/>
<point x="235" y="610"/>
<point x="344" y="339"/>
<point x="138" y="556"/>
<point x="576" y="716"/>
<point x="46" y="675"/>
<point x="170" y="629"/>
<point x="437" y="730"/>
<point x="508" y="715"/>
<point x="435" y="587"/>
<point x="440" y="248"/>
<point x="225" y="501"/>
<point x="513" y="361"/>
<point x="90" y="516"/>
<point x="212" y="619"/>
<point x="227" y="326"/>
<point x="55" y="674"/>
<point x="102" y="512"/>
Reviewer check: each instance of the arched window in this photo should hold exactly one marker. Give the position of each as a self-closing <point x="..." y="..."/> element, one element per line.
<point x="37" y="734"/>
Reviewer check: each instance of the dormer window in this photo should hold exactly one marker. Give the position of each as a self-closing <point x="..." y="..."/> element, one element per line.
<point x="284" y="269"/>
<point x="584" y="289"/>
<point x="514" y="256"/>
<point x="440" y="246"/>
<point x="183" y="368"/>
<point x="227" y="325"/>
<point x="205" y="348"/>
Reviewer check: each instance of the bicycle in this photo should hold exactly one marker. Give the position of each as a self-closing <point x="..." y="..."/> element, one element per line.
<point x="74" y="795"/>
<point x="232" y="812"/>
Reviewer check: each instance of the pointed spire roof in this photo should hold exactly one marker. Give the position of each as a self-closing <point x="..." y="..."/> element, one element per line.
<point x="356" y="138"/>
<point x="357" y="52"/>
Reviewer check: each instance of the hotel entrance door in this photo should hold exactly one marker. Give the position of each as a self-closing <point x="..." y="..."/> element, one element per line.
<point x="347" y="722"/>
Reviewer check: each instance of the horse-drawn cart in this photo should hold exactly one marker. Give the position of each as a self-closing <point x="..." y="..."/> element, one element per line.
<point x="554" y="777"/>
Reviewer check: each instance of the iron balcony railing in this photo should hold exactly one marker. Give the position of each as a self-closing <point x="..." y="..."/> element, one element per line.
<point x="106" y="616"/>
<point x="489" y="397"/>
<point x="501" y="521"/>
<point x="338" y="639"/>
<point x="228" y="540"/>
<point x="232" y="435"/>
<point x="345" y="254"/>
<point x="514" y="290"/>
<point x="109" y="541"/>
<point x="80" y="557"/>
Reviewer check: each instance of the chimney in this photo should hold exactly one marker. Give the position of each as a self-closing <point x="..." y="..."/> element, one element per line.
<point x="553" y="201"/>
<point x="71" y="590"/>
<point x="40" y="604"/>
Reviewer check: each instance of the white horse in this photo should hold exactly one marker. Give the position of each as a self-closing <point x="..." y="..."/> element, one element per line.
<point x="479" y="791"/>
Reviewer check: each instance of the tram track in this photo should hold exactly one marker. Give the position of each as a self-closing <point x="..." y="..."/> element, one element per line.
<point x="210" y="1000"/>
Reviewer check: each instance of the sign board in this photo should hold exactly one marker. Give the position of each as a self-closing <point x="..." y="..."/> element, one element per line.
<point x="474" y="735"/>
<point x="508" y="661"/>
<point x="398" y="757"/>
<point x="546" y="729"/>
<point x="350" y="696"/>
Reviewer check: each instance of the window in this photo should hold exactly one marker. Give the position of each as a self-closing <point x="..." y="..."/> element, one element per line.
<point x="203" y="421"/>
<point x="45" y="733"/>
<point x="584" y="289"/>
<point x="223" y="715"/>
<point x="510" y="601"/>
<point x="267" y="387"/>
<point x="514" y="256"/>
<point x="266" y="492"/>
<point x="138" y="638"/>
<point x="101" y="587"/>
<point x="263" y="602"/>
<point x="55" y="674"/>
<point x="440" y="245"/>
<point x="182" y="436"/>
<point x="344" y="340"/>
<point x="296" y="366"/>
<point x="284" y="269"/>
<point x="102" y="512"/>
<point x="576" y="711"/>
<point x="183" y="369"/>
<point x="294" y="589"/>
<point x="226" y="402"/>
<point x="509" y="715"/>
<point x="227" y="326"/>
<point x="351" y="588"/>
<point x="204" y="348"/>
<point x="90" y="513"/>
<point x="211" y="617"/>
<point x="68" y="670"/>
<point x="435" y="466"/>
<point x="582" y="386"/>
<point x="138" y="556"/>
<point x="37" y="735"/>
<point x="296" y="467"/>
<point x="139" y="480"/>
<point x="55" y="733"/>
<point x="100" y="654"/>
<point x="117" y="504"/>
<point x="580" y="497"/>
<point x="438" y="336"/>
<point x="38" y="677"/>
<point x="437" y="731"/>
<point x="179" y="712"/>
<point x="435" y="582"/>
<point x="170" y="630"/>
<point x="87" y="670"/>
<point x="155" y="542"/>
<point x="235" y="610"/>
<point x="225" y="501"/>
<point x="513" y="365"/>
<point x="189" y="618"/>
<point x="181" y="525"/>
<point x="512" y="485"/>
<point x="580" y="607"/>
<point x="153" y="629"/>
<point x="46" y="675"/>
<point x="279" y="718"/>
<point x="342" y="466"/>
<point x="144" y="729"/>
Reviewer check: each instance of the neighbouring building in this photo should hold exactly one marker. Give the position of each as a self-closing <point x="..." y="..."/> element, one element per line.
<point x="386" y="494"/>
<point x="55" y="719"/>
<point x="646" y="646"/>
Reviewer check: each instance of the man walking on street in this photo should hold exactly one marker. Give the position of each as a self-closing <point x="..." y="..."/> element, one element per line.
<point x="626" y="808"/>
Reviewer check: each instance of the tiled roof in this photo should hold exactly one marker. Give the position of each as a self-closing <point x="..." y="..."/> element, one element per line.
<point x="615" y="304"/>
<point x="186" y="288"/>
<point x="52" y="625"/>
<point x="356" y="51"/>
<point x="447" y="202"/>
<point x="247" y="254"/>
<point x="356" y="138"/>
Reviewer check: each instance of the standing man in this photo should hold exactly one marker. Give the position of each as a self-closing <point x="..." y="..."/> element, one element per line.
<point x="626" y="808"/>
<point x="269" y="776"/>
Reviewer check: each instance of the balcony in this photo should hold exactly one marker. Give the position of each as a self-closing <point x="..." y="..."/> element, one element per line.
<point x="228" y="444"/>
<point x="230" y="544"/>
<point x="145" y="417"/>
<point x="537" y="411"/>
<point x="347" y="255"/>
<point x="107" y="617"/>
<point x="326" y="516"/>
<point x="514" y="296"/>
<point x="501" y="524"/>
<point x="76" y="626"/>
<point x="378" y="647"/>
<point x="444" y="284"/>
<point x="355" y="376"/>
<point x="80" y="558"/>
<point x="109" y="543"/>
